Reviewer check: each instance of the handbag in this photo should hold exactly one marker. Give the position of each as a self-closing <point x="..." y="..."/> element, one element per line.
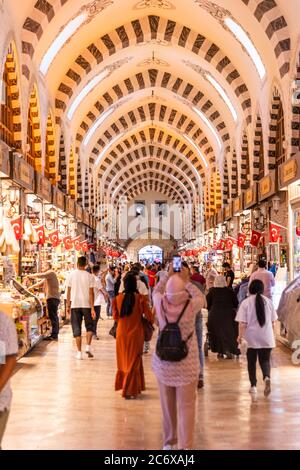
<point x="113" y="330"/>
<point x="148" y="329"/>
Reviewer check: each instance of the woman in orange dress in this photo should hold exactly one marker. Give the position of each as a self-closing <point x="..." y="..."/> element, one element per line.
<point x="128" y="309"/>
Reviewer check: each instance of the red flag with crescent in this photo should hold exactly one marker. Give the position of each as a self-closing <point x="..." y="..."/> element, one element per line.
<point x="255" y="238"/>
<point x="85" y="246"/>
<point x="298" y="225"/>
<point x="77" y="243"/>
<point x="17" y="225"/>
<point x="221" y="245"/>
<point x="54" y="238"/>
<point x="41" y="234"/>
<point x="68" y="242"/>
<point x="241" y="240"/>
<point x="274" y="233"/>
<point x="229" y="243"/>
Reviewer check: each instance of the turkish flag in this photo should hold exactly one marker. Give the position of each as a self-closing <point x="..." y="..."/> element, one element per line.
<point x="54" y="238"/>
<point x="77" y="244"/>
<point x="298" y="225"/>
<point x="241" y="240"/>
<point x="92" y="246"/>
<point x="255" y="238"/>
<point x="85" y="246"/>
<point x="17" y="225"/>
<point x="215" y="246"/>
<point x="41" y="234"/>
<point x="229" y="243"/>
<point x="274" y="233"/>
<point x="221" y="245"/>
<point x="68" y="242"/>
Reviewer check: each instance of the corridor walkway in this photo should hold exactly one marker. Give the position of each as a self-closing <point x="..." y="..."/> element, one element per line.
<point x="61" y="403"/>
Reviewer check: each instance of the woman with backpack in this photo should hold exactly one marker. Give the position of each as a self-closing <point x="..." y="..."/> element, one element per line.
<point x="128" y="310"/>
<point x="256" y="317"/>
<point x="176" y="360"/>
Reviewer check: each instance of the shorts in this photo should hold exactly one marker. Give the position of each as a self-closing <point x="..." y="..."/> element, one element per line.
<point x="77" y="315"/>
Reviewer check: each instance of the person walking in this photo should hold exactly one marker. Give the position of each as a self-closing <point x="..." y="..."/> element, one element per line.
<point x="162" y="273"/>
<point x="80" y="305"/>
<point x="99" y="298"/>
<point x="229" y="275"/>
<point x="211" y="274"/>
<point x="8" y="360"/>
<point x="222" y="304"/>
<point x="128" y="309"/>
<point x="110" y="282"/>
<point x="265" y="276"/>
<point x="256" y="317"/>
<point x="197" y="277"/>
<point x="177" y="299"/>
<point x="51" y="284"/>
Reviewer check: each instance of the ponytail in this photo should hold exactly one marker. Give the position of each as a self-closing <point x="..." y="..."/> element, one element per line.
<point x="260" y="310"/>
<point x="257" y="288"/>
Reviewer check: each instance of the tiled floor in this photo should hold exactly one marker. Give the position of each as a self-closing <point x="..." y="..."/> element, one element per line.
<point x="61" y="403"/>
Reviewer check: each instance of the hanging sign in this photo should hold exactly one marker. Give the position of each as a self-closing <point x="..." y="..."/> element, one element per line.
<point x="43" y="187"/>
<point x="58" y="198"/>
<point x="22" y="172"/>
<point x="267" y="186"/>
<point x="289" y="172"/>
<point x="4" y="161"/>
<point x="251" y="196"/>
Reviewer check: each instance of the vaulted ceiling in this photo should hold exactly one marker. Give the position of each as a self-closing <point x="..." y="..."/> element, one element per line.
<point x="153" y="93"/>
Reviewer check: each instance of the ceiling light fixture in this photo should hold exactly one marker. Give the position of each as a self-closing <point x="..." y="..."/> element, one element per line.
<point x="60" y="41"/>
<point x="209" y="125"/>
<point x="244" y="39"/>
<point x="86" y="90"/>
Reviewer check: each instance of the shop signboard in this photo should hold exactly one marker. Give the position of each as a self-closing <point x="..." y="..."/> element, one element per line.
<point x="4" y="160"/>
<point x="58" y="198"/>
<point x="289" y="172"/>
<point x="251" y="197"/>
<point x="237" y="205"/>
<point x="43" y="187"/>
<point x="267" y="186"/>
<point x="79" y="213"/>
<point x="71" y="206"/>
<point x="21" y="172"/>
<point x="86" y="218"/>
<point x="228" y="212"/>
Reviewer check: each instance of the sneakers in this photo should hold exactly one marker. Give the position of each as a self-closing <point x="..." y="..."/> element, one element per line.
<point x="267" y="389"/>
<point x="253" y="391"/>
<point x="170" y="447"/>
<point x="79" y="355"/>
<point x="89" y="354"/>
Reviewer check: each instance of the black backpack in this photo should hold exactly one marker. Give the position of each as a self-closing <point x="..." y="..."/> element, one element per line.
<point x="170" y="346"/>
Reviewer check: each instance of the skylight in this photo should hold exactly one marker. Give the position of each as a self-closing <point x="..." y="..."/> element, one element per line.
<point x="197" y="149"/>
<point x="209" y="125"/>
<point x="244" y="39"/>
<point x="223" y="94"/>
<point x="86" y="90"/>
<point x="60" y="41"/>
<point x="96" y="125"/>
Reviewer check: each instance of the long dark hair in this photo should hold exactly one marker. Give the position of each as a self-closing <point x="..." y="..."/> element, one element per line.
<point x="130" y="289"/>
<point x="257" y="287"/>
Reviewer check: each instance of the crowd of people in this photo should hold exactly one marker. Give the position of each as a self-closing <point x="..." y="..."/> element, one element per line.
<point x="139" y="296"/>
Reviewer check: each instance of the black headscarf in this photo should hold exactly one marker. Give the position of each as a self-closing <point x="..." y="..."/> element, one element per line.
<point x="130" y="289"/>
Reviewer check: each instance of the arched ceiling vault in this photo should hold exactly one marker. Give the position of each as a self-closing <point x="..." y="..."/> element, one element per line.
<point x="152" y="93"/>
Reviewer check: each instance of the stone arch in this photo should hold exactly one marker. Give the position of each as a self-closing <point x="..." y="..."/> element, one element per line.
<point x="34" y="140"/>
<point x="296" y="111"/>
<point x="62" y="165"/>
<point x="79" y="192"/>
<point x="258" y="155"/>
<point x="245" y="166"/>
<point x="276" y="141"/>
<point x="72" y="175"/>
<point x="50" y="157"/>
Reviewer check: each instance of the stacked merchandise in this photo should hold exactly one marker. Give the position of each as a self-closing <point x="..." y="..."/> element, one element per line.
<point x="289" y="312"/>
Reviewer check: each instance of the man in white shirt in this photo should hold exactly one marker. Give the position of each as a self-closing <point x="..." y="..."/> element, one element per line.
<point x="110" y="282"/>
<point x="265" y="276"/>
<point x="99" y="297"/>
<point x="8" y="359"/>
<point x="80" y="304"/>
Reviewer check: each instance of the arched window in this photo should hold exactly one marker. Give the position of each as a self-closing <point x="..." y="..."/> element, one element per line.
<point x="280" y="137"/>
